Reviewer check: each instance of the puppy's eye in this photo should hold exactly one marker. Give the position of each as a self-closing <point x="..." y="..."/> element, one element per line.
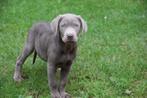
<point x="63" y="25"/>
<point x="76" y="25"/>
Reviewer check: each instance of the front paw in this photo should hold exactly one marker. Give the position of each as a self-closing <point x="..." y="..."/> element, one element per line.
<point x="65" y="95"/>
<point x="55" y="95"/>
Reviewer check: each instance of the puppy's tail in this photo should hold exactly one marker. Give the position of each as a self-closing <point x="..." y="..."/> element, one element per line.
<point x="35" y="55"/>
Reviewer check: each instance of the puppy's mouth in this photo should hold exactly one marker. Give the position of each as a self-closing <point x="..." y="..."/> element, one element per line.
<point x="68" y="40"/>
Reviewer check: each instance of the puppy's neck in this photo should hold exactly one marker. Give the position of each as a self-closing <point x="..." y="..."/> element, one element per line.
<point x="70" y="47"/>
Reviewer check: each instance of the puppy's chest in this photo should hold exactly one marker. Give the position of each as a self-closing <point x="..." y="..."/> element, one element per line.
<point x="66" y="57"/>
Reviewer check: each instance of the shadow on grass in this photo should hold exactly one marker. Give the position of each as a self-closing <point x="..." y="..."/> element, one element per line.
<point x="144" y="2"/>
<point x="37" y="83"/>
<point x="3" y="3"/>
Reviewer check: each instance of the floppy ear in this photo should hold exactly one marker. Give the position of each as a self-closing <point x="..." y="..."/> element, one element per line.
<point x="83" y="24"/>
<point x="55" y="23"/>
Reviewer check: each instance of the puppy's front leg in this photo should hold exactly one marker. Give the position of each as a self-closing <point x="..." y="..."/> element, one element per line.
<point x="64" y="74"/>
<point x="52" y="80"/>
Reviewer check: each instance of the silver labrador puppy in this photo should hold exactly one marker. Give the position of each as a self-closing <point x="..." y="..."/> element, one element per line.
<point x="55" y="43"/>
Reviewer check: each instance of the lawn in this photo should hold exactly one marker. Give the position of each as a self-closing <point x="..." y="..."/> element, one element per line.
<point x="112" y="56"/>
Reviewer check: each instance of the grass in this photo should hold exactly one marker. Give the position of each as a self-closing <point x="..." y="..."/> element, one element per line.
<point x="112" y="56"/>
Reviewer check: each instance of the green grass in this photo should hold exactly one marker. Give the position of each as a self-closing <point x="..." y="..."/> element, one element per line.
<point x="111" y="58"/>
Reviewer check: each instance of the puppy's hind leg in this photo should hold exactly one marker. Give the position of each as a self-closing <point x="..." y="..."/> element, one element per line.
<point x="28" y="49"/>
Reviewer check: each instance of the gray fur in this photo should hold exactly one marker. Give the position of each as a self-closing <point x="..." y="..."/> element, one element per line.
<point x="55" y="43"/>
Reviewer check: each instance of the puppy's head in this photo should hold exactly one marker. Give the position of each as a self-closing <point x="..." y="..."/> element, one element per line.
<point x="69" y="26"/>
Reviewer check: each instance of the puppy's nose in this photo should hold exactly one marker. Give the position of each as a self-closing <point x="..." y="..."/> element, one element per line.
<point x="70" y="36"/>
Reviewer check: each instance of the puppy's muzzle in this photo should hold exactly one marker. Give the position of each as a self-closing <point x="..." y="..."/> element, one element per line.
<point x="70" y="35"/>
